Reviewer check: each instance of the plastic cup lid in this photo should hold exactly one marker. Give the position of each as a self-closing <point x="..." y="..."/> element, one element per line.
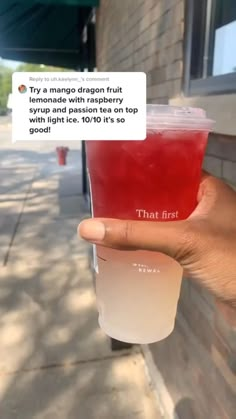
<point x="177" y="117"/>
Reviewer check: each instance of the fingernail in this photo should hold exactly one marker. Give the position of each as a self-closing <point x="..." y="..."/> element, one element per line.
<point x="92" y="230"/>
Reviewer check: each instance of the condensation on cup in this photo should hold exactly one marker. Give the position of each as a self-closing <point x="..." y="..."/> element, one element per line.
<point x="152" y="180"/>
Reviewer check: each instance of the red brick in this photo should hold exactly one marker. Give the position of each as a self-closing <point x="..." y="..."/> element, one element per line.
<point x="222" y="146"/>
<point x="174" y="70"/>
<point x="229" y="171"/>
<point x="178" y="12"/>
<point x="213" y="165"/>
<point x="145" y="22"/>
<point x="153" y="30"/>
<point x="156" y="12"/>
<point x="177" y="33"/>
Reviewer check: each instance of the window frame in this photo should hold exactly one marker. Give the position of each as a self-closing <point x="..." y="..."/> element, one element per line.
<point x="207" y="85"/>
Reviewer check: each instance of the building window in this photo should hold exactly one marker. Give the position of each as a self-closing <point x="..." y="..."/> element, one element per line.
<point x="210" y="47"/>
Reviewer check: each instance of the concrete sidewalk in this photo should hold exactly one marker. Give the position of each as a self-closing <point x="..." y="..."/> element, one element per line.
<point x="54" y="360"/>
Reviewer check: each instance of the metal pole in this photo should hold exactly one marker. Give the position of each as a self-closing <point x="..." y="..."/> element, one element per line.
<point x="88" y="51"/>
<point x="83" y="57"/>
<point x="188" y="45"/>
<point x="84" y="169"/>
<point x="207" y="39"/>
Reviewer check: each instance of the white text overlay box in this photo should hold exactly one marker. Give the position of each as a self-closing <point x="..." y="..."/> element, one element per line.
<point x="78" y="106"/>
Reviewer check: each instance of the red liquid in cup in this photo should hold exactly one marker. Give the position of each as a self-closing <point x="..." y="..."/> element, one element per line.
<point x="157" y="178"/>
<point x="153" y="180"/>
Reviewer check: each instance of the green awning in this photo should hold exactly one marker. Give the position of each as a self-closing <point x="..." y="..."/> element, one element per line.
<point x="44" y="31"/>
<point x="63" y="2"/>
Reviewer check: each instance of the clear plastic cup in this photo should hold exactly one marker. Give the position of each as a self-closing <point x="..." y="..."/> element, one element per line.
<point x="153" y="180"/>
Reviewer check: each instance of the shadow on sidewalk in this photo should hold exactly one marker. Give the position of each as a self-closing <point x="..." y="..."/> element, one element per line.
<point x="49" y="329"/>
<point x="54" y="360"/>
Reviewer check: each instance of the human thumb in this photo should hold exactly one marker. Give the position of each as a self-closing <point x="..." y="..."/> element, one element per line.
<point x="171" y="238"/>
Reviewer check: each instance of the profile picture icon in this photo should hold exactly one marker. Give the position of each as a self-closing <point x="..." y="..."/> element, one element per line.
<point x="22" y="88"/>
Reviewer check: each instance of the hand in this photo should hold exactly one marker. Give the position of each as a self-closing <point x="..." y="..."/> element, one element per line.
<point x="204" y="244"/>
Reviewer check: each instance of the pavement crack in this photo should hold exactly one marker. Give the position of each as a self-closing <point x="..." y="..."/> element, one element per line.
<point x="7" y="255"/>
<point x="68" y="364"/>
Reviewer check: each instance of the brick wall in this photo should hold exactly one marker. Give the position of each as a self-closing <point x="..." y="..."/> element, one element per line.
<point x="138" y="35"/>
<point x="197" y="361"/>
<point x="220" y="158"/>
